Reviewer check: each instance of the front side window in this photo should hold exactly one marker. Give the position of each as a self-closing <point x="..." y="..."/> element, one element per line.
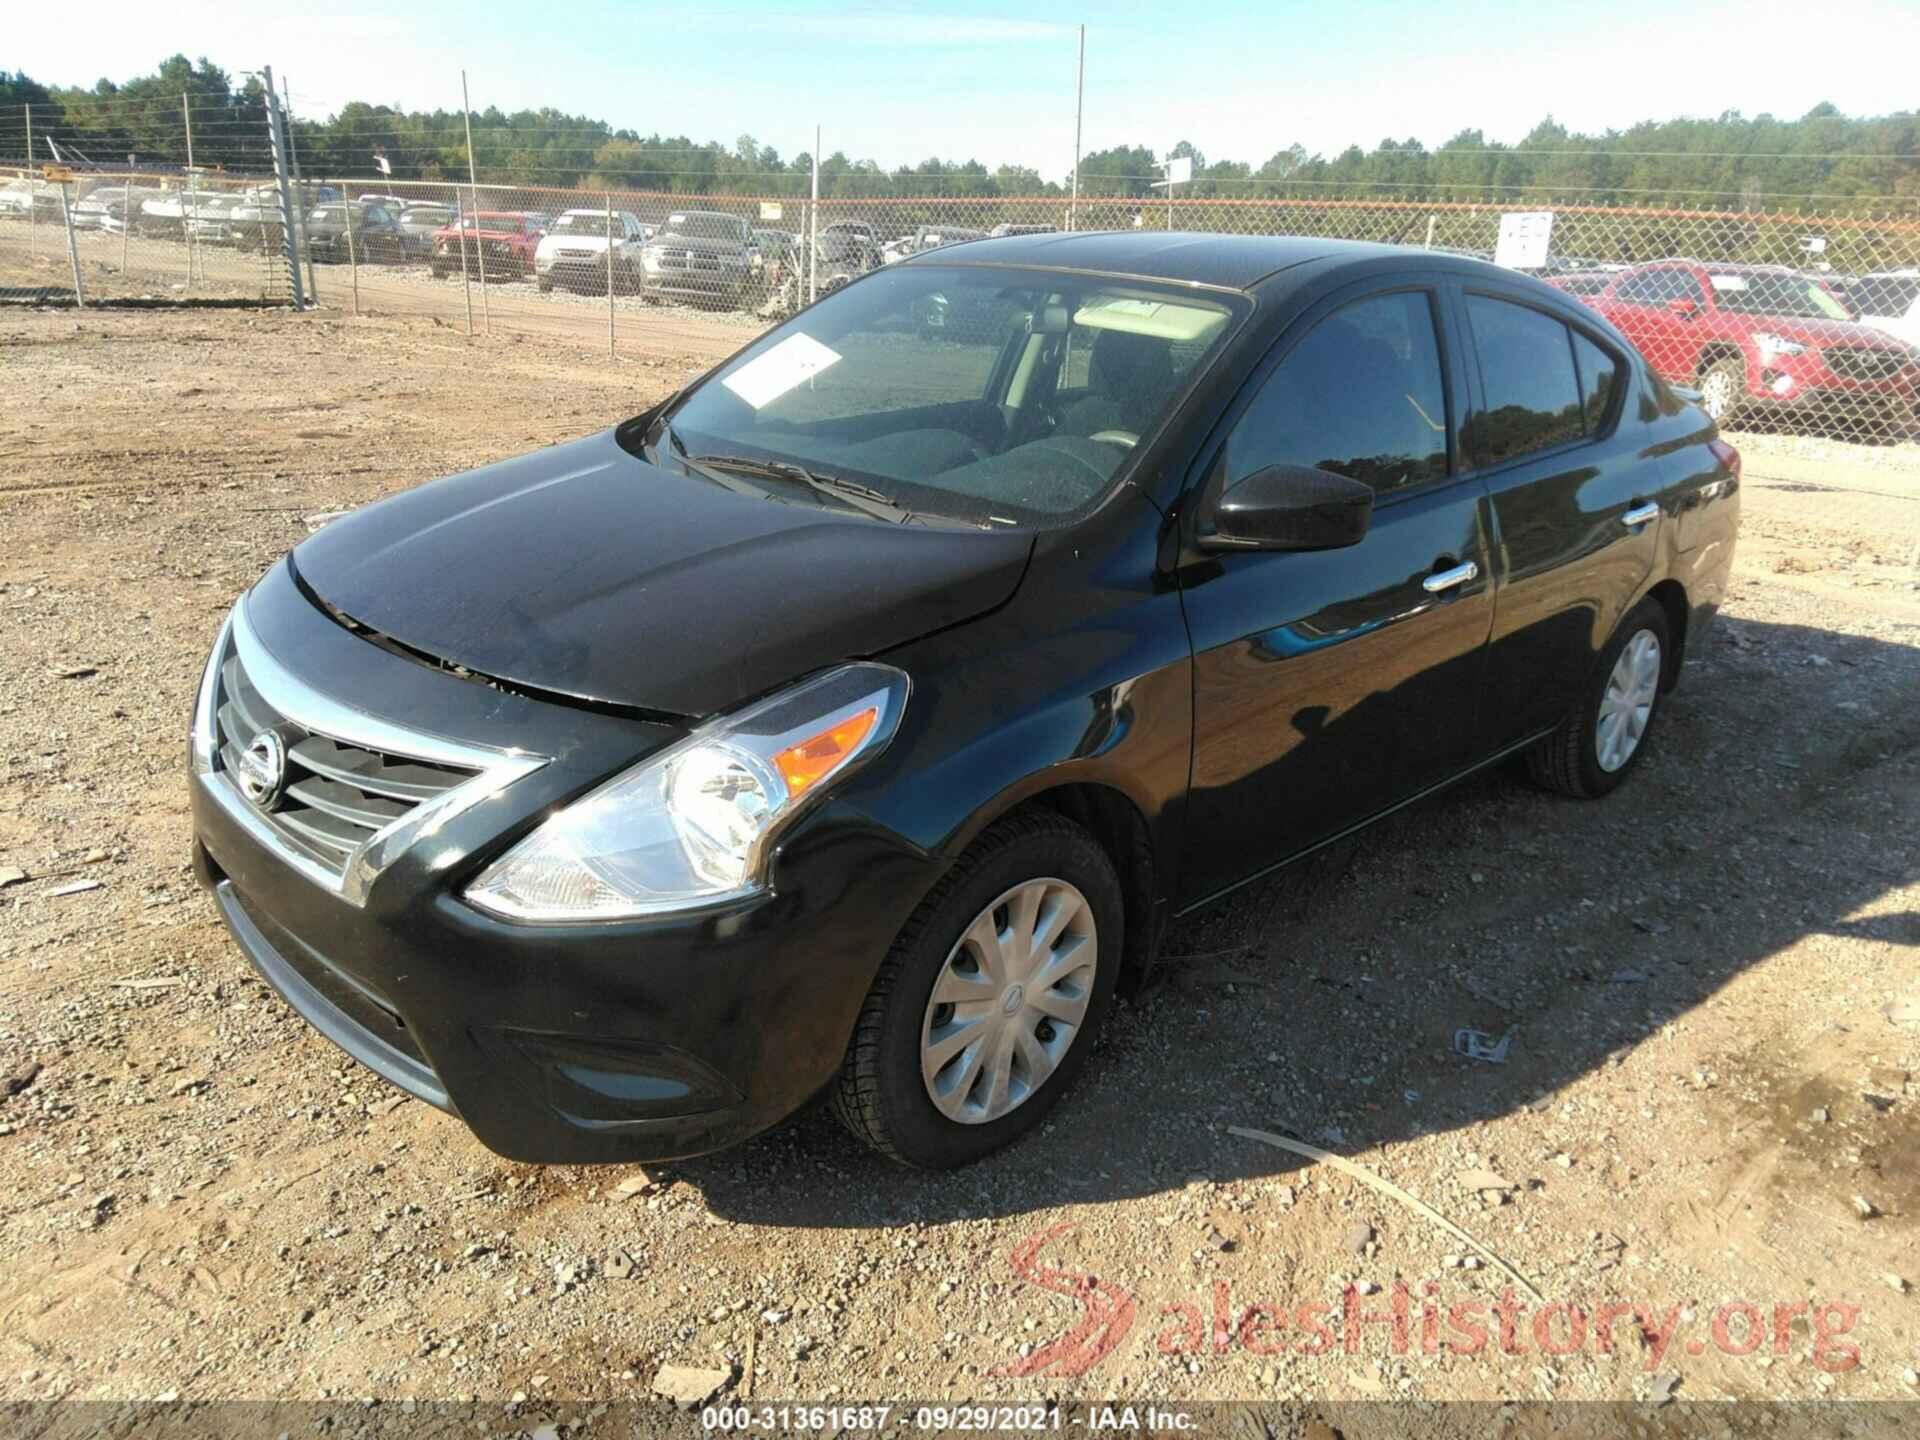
<point x="941" y="388"/>
<point x="1532" y="398"/>
<point x="1361" y="396"/>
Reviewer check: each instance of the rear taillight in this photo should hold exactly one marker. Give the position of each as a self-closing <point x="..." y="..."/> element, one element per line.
<point x="1726" y="455"/>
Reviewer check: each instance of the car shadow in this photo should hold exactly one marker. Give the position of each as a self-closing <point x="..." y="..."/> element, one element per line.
<point x="1324" y="1002"/>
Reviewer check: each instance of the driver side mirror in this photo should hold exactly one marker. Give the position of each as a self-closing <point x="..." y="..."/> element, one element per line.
<point x="1683" y="307"/>
<point x="1291" y="507"/>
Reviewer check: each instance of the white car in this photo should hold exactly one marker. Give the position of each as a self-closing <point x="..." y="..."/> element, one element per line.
<point x="1889" y="302"/>
<point x="573" y="252"/>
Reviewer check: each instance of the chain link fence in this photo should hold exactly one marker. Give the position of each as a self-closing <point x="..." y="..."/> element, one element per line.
<point x="1806" y="323"/>
<point x="1787" y="321"/>
<point x="134" y="236"/>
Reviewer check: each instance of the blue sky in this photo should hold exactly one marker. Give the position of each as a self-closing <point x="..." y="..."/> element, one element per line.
<point x="898" y="83"/>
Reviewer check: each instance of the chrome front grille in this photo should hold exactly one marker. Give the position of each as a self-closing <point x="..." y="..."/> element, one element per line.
<point x="336" y="796"/>
<point x="352" y="791"/>
<point x="1864" y="364"/>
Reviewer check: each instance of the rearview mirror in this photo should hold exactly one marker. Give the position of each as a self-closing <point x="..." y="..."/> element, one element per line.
<point x="1291" y="507"/>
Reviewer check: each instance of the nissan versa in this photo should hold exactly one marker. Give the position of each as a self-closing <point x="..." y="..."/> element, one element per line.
<point x="854" y="721"/>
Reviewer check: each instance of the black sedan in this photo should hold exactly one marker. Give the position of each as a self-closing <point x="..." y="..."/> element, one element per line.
<point x="854" y="722"/>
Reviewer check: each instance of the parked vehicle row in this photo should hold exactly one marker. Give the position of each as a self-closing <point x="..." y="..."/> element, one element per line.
<point x="1763" y="339"/>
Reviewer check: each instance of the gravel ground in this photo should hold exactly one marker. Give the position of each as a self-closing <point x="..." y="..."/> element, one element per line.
<point x="1707" y="985"/>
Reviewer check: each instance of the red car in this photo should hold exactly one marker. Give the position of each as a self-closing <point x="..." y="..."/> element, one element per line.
<point x="505" y="240"/>
<point x="1757" y="338"/>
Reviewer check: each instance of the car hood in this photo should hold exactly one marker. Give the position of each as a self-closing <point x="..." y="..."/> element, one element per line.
<point x="1823" y="334"/>
<point x="584" y="571"/>
<point x="572" y="240"/>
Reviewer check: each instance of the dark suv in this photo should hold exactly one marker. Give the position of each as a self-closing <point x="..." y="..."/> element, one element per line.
<point x="856" y="720"/>
<point x="703" y="255"/>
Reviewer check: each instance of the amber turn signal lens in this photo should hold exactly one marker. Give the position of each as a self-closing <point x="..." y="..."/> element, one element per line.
<point x="804" y="765"/>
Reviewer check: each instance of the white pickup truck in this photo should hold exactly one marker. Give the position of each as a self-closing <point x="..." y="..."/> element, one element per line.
<point x="573" y="252"/>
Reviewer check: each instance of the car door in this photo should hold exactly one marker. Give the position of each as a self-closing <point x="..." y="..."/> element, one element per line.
<point x="1661" y="311"/>
<point x="1576" y="510"/>
<point x="1330" y="684"/>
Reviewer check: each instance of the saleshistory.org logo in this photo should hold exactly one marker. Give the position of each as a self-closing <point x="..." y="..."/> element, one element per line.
<point x="1505" y="1325"/>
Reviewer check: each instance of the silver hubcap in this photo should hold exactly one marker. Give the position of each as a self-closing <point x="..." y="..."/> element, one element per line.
<point x="1717" y="392"/>
<point x="1627" y="704"/>
<point x="1009" y="1001"/>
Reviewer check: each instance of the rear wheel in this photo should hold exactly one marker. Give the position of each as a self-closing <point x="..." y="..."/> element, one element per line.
<point x="1599" y="744"/>
<point x="987" y="1004"/>
<point x="1722" y="384"/>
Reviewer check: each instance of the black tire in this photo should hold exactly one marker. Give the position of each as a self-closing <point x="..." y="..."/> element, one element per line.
<point x="1729" y="376"/>
<point x="1568" y="761"/>
<point x="880" y="1095"/>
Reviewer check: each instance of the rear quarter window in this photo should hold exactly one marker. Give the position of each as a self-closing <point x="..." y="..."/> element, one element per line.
<point x="1532" y="396"/>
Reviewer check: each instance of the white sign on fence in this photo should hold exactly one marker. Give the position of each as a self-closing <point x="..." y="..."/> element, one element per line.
<point x="770" y="210"/>
<point x="1524" y="238"/>
<point x="1180" y="170"/>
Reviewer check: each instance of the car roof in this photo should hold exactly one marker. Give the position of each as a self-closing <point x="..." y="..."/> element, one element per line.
<point x="1234" y="262"/>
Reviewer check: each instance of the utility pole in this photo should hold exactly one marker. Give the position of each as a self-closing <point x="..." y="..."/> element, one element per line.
<point x="1079" y="112"/>
<point x="473" y="189"/>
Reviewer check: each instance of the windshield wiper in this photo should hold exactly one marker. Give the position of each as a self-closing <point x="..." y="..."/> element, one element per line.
<point x="852" y="492"/>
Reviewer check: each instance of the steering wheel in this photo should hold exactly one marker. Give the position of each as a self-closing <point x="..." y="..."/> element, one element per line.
<point x="1117" y="437"/>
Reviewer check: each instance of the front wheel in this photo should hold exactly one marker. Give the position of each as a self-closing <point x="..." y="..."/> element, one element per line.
<point x="1599" y="744"/>
<point x="1721" y="386"/>
<point x="988" y="1002"/>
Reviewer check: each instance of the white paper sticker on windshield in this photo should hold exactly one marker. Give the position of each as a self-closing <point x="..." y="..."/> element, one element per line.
<point x="1727" y="282"/>
<point x="765" y="378"/>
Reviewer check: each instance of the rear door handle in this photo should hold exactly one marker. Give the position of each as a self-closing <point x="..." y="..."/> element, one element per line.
<point x="1447" y="579"/>
<point x="1640" y="515"/>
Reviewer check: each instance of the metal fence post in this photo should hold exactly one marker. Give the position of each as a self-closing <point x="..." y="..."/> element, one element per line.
<point x="126" y="223"/>
<point x="300" y="208"/>
<point x="610" y="351"/>
<point x="813" y="226"/>
<point x="192" y="202"/>
<point x="353" y="261"/>
<point x="73" y="251"/>
<point x="473" y="189"/>
<point x="466" y="270"/>
<point x="33" y="210"/>
<point x="277" y="137"/>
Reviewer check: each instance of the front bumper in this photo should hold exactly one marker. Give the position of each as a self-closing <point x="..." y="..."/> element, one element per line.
<point x="652" y="1039"/>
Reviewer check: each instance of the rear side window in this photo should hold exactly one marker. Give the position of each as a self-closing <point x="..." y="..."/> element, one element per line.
<point x="1599" y="375"/>
<point x="1360" y="396"/>
<point x="1533" y="397"/>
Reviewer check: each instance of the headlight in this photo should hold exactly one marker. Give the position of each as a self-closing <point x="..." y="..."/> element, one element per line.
<point x="1773" y="347"/>
<point x="695" y="824"/>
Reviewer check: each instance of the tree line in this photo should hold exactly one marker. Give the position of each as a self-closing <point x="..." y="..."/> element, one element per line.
<point x="1732" y="161"/>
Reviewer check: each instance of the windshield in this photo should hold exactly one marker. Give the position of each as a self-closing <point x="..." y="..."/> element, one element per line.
<point x="1791" y="296"/>
<point x="425" y="215"/>
<point x="993" y="396"/>
<point x="507" y="224"/>
<point x="581" y="223"/>
<point x="704" y="227"/>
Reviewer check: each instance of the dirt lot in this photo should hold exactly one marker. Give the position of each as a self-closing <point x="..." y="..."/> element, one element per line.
<point x="1709" y="986"/>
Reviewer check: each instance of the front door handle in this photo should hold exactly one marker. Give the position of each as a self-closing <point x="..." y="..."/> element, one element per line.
<point x="1640" y="515"/>
<point x="1447" y="579"/>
